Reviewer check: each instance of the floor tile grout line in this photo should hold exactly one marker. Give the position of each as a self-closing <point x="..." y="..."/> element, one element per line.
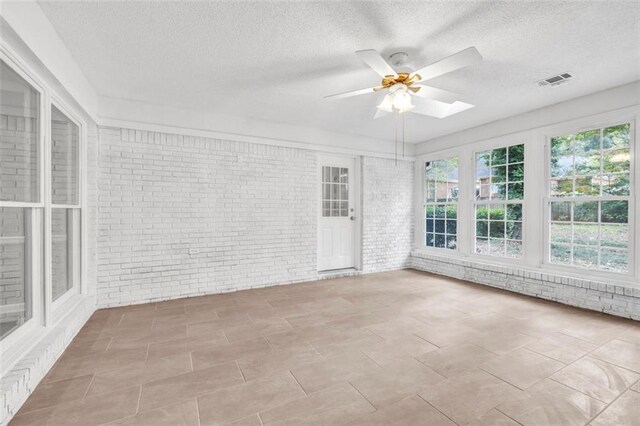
<point x="244" y="380"/>
<point x="609" y="405"/>
<point x="198" y="411"/>
<point x="296" y="379"/>
<point x="436" y="408"/>
<point x="139" y="400"/>
<point x="505" y="414"/>
<point x="366" y="399"/>
<point x="86" y="392"/>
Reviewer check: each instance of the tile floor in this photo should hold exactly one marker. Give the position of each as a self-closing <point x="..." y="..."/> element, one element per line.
<point x="401" y="347"/>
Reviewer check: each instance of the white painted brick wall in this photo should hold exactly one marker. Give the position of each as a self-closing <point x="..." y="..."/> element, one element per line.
<point x="387" y="220"/>
<point x="611" y="299"/>
<point x="247" y="209"/>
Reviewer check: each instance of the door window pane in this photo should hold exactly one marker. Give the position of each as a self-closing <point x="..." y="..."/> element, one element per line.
<point x="335" y="191"/>
<point x="15" y="268"/>
<point x="65" y="260"/>
<point x="19" y="138"/>
<point x="65" y="137"/>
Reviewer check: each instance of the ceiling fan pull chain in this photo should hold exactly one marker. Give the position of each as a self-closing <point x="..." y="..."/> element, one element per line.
<point x="396" y="137"/>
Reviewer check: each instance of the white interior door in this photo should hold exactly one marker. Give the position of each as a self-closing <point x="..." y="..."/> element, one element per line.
<point x="336" y="221"/>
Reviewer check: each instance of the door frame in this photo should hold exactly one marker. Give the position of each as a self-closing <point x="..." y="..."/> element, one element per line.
<point x="357" y="204"/>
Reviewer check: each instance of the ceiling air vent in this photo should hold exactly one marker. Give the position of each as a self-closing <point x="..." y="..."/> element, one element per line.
<point x="555" y="80"/>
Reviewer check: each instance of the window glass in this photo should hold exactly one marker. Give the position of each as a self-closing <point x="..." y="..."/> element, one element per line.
<point x="590" y="187"/>
<point x="19" y="138"/>
<point x="65" y="228"/>
<point x="16" y="254"/>
<point x="65" y="161"/>
<point x="499" y="194"/>
<point x="441" y="203"/>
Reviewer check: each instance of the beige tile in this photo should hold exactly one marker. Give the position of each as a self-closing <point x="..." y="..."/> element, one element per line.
<point x="139" y="373"/>
<point x="467" y="397"/>
<point x="398" y="349"/>
<point x="500" y="341"/>
<point x="452" y="360"/>
<point x="265" y="364"/>
<point x="88" y="346"/>
<point x="625" y="411"/>
<point x="181" y="414"/>
<point x="636" y="387"/>
<point x="154" y="336"/>
<point x="257" y="329"/>
<point x="522" y="368"/>
<point x="327" y="407"/>
<point x="184" y="345"/>
<point x="345" y="341"/>
<point x="253" y="420"/>
<point x="620" y="353"/>
<point x="299" y="336"/>
<point x="226" y="352"/>
<point x="78" y="366"/>
<point x="237" y="402"/>
<point x="89" y="411"/>
<point x="551" y="403"/>
<point x="48" y="394"/>
<point x="394" y="382"/>
<point x="447" y="334"/>
<point x="199" y="328"/>
<point x="561" y="347"/>
<point x="494" y="418"/>
<point x="436" y="313"/>
<point x="393" y="329"/>
<point x="322" y="374"/>
<point x="412" y="410"/>
<point x="596" y="378"/>
<point x="174" y="389"/>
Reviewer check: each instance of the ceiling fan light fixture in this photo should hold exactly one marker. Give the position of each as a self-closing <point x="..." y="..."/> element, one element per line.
<point x="402" y="101"/>
<point x="386" y="104"/>
<point x="409" y="108"/>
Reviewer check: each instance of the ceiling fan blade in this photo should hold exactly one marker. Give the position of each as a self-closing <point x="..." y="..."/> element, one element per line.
<point x="464" y="58"/>
<point x="372" y="58"/>
<point x="352" y="93"/>
<point x="433" y="108"/>
<point x="434" y="93"/>
<point x="380" y="113"/>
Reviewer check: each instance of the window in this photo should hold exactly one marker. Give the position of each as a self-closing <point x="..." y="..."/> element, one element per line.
<point x="29" y="197"/>
<point x="65" y="196"/>
<point x="335" y="191"/>
<point x="590" y="194"/>
<point x="441" y="203"/>
<point x="20" y="199"/>
<point x="499" y="195"/>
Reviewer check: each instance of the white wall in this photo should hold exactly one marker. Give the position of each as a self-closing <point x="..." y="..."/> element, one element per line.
<point x="249" y="211"/>
<point x="595" y="103"/>
<point x="387" y="220"/>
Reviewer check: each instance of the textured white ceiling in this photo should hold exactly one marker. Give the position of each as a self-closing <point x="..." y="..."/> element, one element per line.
<point x="276" y="60"/>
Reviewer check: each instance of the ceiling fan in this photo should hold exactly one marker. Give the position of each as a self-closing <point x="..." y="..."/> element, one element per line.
<point x="405" y="91"/>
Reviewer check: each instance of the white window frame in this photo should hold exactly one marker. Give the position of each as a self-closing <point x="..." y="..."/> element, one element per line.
<point x="45" y="314"/>
<point x="535" y="213"/>
<point x="425" y="204"/>
<point x="17" y="338"/>
<point x="602" y="121"/>
<point x="58" y="306"/>
<point x="475" y="203"/>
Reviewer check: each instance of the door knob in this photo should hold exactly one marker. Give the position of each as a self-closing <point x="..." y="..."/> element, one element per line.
<point x="352" y="218"/>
